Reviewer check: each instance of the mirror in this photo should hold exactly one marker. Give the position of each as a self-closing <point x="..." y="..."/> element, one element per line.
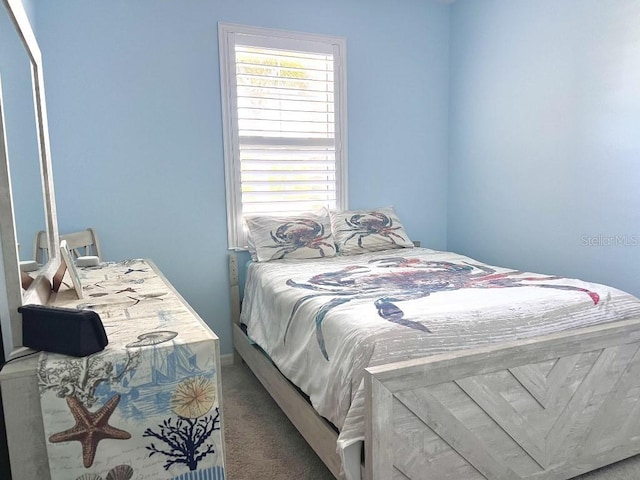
<point x="21" y="190"/>
<point x="21" y="138"/>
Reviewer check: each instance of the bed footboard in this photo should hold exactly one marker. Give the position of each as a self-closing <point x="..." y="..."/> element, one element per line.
<point x="549" y="407"/>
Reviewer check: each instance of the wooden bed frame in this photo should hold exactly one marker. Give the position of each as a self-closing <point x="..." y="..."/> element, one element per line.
<point x="550" y="407"/>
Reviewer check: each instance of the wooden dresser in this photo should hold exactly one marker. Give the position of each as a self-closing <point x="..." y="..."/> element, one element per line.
<point x="146" y="407"/>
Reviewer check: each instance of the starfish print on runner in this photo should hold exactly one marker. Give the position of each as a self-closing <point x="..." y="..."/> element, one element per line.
<point x="90" y="427"/>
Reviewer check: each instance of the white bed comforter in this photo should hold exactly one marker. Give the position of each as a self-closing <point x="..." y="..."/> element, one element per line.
<point x="323" y="321"/>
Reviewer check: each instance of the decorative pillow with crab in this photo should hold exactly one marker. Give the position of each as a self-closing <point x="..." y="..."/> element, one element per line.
<point x="361" y="231"/>
<point x="307" y="235"/>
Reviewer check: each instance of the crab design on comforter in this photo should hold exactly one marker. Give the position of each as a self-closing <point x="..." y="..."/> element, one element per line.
<point x="396" y="279"/>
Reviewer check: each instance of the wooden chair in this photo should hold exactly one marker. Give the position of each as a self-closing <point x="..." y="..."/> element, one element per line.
<point x="80" y="244"/>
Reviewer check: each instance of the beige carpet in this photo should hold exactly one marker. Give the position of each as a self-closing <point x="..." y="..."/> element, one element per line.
<point x="261" y="443"/>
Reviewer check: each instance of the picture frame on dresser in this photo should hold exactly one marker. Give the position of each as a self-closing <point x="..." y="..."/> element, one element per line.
<point x="67" y="263"/>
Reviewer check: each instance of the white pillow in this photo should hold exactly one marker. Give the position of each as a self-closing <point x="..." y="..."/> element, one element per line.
<point x="307" y="235"/>
<point x="361" y="231"/>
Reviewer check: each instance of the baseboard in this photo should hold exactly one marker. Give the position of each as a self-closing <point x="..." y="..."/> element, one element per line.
<point x="226" y="359"/>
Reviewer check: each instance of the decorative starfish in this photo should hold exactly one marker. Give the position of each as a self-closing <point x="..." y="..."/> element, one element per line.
<point x="90" y="428"/>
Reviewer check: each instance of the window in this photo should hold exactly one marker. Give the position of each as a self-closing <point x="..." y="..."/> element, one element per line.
<point x="284" y="123"/>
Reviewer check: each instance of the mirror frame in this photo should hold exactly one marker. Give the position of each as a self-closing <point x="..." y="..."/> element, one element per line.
<point x="11" y="293"/>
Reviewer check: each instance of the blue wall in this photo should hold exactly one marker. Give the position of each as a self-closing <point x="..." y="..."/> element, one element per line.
<point x="544" y="138"/>
<point x="135" y="122"/>
<point x="30" y="9"/>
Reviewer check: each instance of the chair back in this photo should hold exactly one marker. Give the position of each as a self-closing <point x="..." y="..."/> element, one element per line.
<point x="80" y="244"/>
<point x="41" y="247"/>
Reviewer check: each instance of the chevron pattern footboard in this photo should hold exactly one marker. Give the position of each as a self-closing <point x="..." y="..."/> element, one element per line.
<point x="549" y="408"/>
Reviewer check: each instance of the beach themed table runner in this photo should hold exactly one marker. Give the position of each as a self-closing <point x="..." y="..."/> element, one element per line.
<point x="146" y="407"/>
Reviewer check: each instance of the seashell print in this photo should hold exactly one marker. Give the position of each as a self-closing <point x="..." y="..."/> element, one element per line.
<point x="120" y="472"/>
<point x="193" y="397"/>
<point x="152" y="338"/>
<point x="89" y="476"/>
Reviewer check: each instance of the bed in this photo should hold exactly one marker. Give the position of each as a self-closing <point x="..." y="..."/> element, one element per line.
<point x="415" y="363"/>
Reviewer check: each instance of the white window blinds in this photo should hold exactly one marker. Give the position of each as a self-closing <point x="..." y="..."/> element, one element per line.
<point x="284" y="140"/>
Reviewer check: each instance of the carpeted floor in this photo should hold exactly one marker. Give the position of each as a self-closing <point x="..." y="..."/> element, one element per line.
<point x="261" y="443"/>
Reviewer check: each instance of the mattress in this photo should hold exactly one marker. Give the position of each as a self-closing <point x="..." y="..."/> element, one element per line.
<point x="323" y="321"/>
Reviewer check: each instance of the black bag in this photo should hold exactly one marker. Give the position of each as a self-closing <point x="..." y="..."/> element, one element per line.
<point x="62" y="330"/>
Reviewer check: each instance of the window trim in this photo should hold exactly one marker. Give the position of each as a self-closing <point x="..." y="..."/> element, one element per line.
<point x="226" y="37"/>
